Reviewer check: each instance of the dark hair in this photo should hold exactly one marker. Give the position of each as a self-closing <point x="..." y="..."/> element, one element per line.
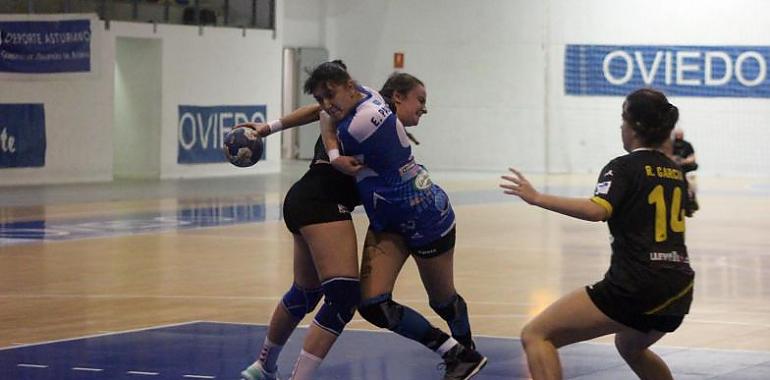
<point x="333" y="71"/>
<point x="401" y="83"/>
<point x="650" y="115"/>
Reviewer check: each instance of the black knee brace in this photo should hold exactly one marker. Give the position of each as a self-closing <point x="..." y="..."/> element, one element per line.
<point x="381" y="311"/>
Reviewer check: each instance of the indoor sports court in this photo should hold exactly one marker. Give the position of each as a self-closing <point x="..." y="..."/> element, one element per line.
<point x="130" y="249"/>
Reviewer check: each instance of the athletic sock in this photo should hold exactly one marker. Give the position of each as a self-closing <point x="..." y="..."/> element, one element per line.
<point x="305" y="367"/>
<point x="269" y="355"/>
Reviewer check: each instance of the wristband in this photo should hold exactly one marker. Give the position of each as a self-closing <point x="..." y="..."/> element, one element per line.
<point x="275" y="125"/>
<point x="333" y="154"/>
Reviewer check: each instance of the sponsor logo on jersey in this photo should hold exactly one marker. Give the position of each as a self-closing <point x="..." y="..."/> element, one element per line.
<point x="673" y="257"/>
<point x="342" y="209"/>
<point x="603" y="187"/>
<point x="608" y="173"/>
<point x="422" y="181"/>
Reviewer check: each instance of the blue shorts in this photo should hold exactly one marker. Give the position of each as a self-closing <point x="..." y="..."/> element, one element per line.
<point x="417" y="209"/>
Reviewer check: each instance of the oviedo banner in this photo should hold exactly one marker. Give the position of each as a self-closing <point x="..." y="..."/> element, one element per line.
<point x="699" y="71"/>
<point x="43" y="46"/>
<point x="202" y="130"/>
<point x="22" y="135"/>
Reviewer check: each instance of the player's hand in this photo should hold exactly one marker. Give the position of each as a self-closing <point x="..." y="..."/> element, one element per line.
<point x="519" y="186"/>
<point x="348" y="165"/>
<point x="263" y="129"/>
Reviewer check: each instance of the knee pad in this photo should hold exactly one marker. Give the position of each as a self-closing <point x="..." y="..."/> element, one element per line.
<point x="382" y="311"/>
<point x="341" y="296"/>
<point x="298" y="301"/>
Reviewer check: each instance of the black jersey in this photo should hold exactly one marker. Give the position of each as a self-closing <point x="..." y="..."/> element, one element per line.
<point x="684" y="149"/>
<point x="320" y="152"/>
<point x="644" y="193"/>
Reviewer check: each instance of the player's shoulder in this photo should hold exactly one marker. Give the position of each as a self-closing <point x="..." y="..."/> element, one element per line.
<point x="371" y="112"/>
<point x="624" y="165"/>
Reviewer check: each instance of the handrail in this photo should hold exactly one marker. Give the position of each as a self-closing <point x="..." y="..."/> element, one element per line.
<point x="213" y="13"/>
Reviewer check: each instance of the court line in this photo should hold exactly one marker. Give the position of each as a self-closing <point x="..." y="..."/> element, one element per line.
<point x="26" y="365"/>
<point x="87" y="369"/>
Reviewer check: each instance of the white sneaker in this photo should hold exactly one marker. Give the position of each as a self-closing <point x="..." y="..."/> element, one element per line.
<point x="256" y="372"/>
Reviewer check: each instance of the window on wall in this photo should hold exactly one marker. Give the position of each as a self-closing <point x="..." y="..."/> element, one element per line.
<point x="256" y="14"/>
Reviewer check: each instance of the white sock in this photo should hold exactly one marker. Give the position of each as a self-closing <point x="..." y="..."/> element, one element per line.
<point x="269" y="355"/>
<point x="306" y="366"/>
<point x="446" y="346"/>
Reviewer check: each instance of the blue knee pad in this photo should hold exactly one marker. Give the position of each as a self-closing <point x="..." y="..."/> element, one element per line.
<point x="298" y="301"/>
<point x="341" y="296"/>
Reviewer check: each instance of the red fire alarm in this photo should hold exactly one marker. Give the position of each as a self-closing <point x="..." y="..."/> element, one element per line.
<point x="398" y="60"/>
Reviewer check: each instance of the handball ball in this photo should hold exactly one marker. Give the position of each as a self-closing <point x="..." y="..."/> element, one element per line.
<point x="243" y="147"/>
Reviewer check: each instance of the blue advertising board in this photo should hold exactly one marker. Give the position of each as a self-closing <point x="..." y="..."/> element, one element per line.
<point x="22" y="135"/>
<point x="699" y="71"/>
<point x="202" y="130"/>
<point x="40" y="47"/>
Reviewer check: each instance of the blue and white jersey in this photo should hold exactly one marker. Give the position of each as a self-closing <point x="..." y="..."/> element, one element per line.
<point x="374" y="135"/>
<point x="397" y="193"/>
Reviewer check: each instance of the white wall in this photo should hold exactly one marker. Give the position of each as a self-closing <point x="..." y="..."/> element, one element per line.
<point x="78" y="114"/>
<point x="493" y="68"/>
<point x="303" y="23"/>
<point x="482" y="64"/>
<point x="728" y="133"/>
<point x="219" y="67"/>
<point x="495" y="76"/>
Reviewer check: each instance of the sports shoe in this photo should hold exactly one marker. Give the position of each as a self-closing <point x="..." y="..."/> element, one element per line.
<point x="462" y="363"/>
<point x="256" y="372"/>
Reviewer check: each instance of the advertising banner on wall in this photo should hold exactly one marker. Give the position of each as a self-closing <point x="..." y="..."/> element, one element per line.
<point x="22" y="135"/>
<point x="202" y="130"/>
<point x="45" y="46"/>
<point x="698" y="71"/>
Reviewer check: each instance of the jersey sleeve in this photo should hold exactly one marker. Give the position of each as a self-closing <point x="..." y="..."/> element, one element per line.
<point x="611" y="187"/>
<point x="367" y="121"/>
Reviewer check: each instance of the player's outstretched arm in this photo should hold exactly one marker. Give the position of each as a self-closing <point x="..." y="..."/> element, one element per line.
<point x="301" y="116"/>
<point x="580" y="208"/>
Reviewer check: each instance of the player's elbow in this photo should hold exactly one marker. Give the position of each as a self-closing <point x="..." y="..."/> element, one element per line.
<point x="595" y="213"/>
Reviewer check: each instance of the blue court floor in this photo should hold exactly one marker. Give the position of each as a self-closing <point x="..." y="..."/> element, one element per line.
<point x="212" y="350"/>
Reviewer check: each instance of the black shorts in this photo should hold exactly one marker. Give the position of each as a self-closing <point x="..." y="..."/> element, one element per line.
<point x="436" y="247"/>
<point x="322" y="195"/>
<point x="620" y="308"/>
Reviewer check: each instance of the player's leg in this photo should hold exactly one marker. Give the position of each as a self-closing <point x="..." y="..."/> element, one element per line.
<point x="634" y="345"/>
<point x="384" y="256"/>
<point x="334" y="251"/>
<point x="300" y="299"/>
<point x="572" y="318"/>
<point x="435" y="262"/>
<point x="437" y="275"/>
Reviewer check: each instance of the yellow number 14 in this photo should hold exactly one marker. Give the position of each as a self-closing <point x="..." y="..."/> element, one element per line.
<point x="657" y="198"/>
